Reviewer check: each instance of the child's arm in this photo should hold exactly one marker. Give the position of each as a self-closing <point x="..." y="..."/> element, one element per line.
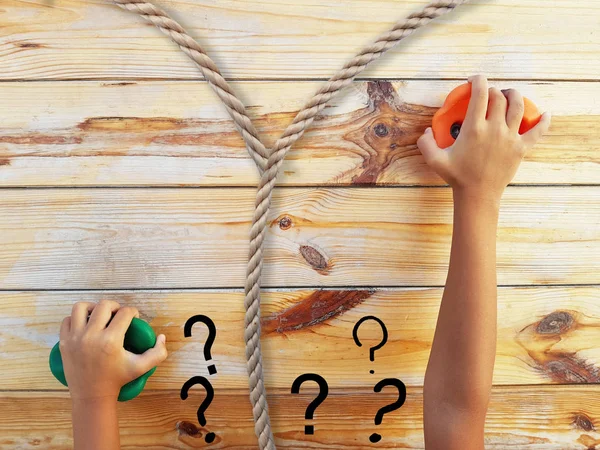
<point x="478" y="167"/>
<point x="97" y="366"/>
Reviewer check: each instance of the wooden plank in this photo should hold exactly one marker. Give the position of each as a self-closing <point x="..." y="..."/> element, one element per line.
<point x="171" y="238"/>
<point x="545" y="335"/>
<point x="177" y="133"/>
<point x="70" y="39"/>
<point x="524" y="417"/>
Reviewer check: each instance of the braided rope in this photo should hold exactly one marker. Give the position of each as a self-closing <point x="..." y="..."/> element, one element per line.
<point x="269" y="162"/>
<point x="154" y="15"/>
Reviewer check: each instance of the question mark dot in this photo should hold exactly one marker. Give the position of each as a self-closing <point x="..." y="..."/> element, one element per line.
<point x="371" y="371"/>
<point x="375" y="438"/>
<point x="212" y="369"/>
<point x="309" y="429"/>
<point x="210" y="437"/>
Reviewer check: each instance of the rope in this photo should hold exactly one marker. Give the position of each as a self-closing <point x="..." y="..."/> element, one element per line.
<point x="269" y="162"/>
<point x="154" y="15"/>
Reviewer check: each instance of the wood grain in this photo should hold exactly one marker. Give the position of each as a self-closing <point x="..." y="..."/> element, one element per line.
<point x="171" y="238"/>
<point x="525" y="417"/>
<point x="178" y="134"/>
<point x="94" y="97"/>
<point x="545" y="335"/>
<point x="71" y="39"/>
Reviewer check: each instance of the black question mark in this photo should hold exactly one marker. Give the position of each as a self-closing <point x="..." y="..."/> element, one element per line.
<point x="212" y="334"/>
<point x="377" y="347"/>
<point x="392" y="406"/>
<point x="210" y="394"/>
<point x="323" y="391"/>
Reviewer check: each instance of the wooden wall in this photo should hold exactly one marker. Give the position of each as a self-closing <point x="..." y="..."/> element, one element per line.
<point x="121" y="176"/>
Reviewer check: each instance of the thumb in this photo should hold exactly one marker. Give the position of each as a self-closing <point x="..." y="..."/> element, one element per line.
<point x="152" y="357"/>
<point x="435" y="157"/>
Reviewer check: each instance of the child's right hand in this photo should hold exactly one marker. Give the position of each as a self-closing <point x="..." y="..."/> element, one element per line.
<point x="489" y="148"/>
<point x="95" y="362"/>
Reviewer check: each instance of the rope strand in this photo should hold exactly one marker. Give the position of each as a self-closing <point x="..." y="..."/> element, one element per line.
<point x="269" y="162"/>
<point x="156" y="16"/>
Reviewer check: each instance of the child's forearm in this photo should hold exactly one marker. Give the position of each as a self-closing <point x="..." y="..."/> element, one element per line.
<point x="97" y="365"/>
<point x="459" y="374"/>
<point x="95" y="424"/>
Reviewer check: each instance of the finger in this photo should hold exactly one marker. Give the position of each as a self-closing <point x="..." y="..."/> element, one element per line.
<point x="102" y="314"/>
<point x="516" y="109"/>
<point x="122" y="319"/>
<point x="435" y="157"/>
<point x="79" y="315"/>
<point x="497" y="107"/>
<point x="151" y="358"/>
<point x="479" y="100"/>
<point x="65" y="328"/>
<point x="532" y="136"/>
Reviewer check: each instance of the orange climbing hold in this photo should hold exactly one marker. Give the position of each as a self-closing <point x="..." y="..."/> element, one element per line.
<point x="449" y="118"/>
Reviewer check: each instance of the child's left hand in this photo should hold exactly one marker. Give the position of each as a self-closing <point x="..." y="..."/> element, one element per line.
<point x="95" y="362"/>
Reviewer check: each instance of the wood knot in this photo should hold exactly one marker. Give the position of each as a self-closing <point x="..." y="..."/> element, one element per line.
<point x="314" y="309"/>
<point x="381" y="130"/>
<point x="569" y="369"/>
<point x="555" y="323"/>
<point x="285" y="223"/>
<point x="313" y="257"/>
<point x="188" y="428"/>
<point x="583" y="421"/>
<point x="28" y="45"/>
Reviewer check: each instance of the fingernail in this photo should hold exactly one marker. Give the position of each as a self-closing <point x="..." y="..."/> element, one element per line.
<point x="504" y="91"/>
<point x="428" y="130"/>
<point x="162" y="338"/>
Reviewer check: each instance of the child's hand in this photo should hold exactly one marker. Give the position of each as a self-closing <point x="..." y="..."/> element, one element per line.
<point x="489" y="149"/>
<point x="96" y="364"/>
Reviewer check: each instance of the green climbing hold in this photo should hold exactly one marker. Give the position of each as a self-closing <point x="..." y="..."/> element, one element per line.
<point x="138" y="338"/>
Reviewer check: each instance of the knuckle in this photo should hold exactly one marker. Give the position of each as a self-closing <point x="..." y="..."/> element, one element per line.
<point x="79" y="305"/>
<point x="110" y="344"/>
<point x="517" y="104"/>
<point x="86" y="341"/>
<point x="515" y="99"/>
<point x="475" y="130"/>
<point x="129" y="310"/>
<point x="162" y="354"/>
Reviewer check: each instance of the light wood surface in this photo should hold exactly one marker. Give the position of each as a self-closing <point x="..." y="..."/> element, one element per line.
<point x="523" y="417"/>
<point x="121" y="176"/>
<point x="545" y="335"/>
<point x="170" y="238"/>
<point x="264" y="39"/>
<point x="178" y="134"/>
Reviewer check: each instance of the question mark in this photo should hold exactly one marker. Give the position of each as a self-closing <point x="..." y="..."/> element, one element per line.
<point x="210" y="394"/>
<point x="392" y="406"/>
<point x="378" y="346"/>
<point x="323" y="391"/>
<point x="212" y="334"/>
